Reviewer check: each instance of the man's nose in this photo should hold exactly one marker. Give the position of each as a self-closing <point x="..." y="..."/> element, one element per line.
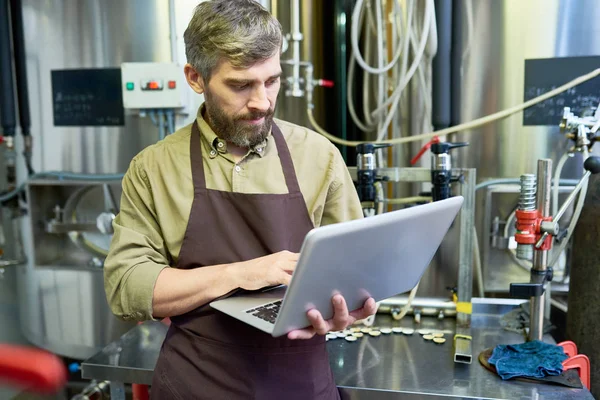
<point x="259" y="100"/>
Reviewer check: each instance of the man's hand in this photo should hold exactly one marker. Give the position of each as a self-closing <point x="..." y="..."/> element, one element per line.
<point x="271" y="270"/>
<point x="340" y="321"/>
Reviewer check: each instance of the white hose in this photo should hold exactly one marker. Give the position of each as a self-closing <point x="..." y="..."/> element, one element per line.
<point x="465" y="126"/>
<point x="409" y="200"/>
<point x="408" y="304"/>
<point x="395" y="97"/>
<point x="400" y="46"/>
<point x="556" y="182"/>
<point x="354" y="35"/>
<point x="366" y="96"/>
<point x="580" y="202"/>
<point x="380" y="196"/>
<point x="365" y="127"/>
<point x="571" y="228"/>
<point x="398" y="91"/>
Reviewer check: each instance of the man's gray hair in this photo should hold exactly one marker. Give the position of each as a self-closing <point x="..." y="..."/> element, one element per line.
<point x="239" y="31"/>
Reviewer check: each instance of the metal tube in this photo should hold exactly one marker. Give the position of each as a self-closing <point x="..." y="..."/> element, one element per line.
<point x="7" y="91"/>
<point x="296" y="37"/>
<point x="427" y="305"/>
<point x="456" y="60"/>
<point x="173" y="30"/>
<point x="540" y="257"/>
<point x="442" y="66"/>
<point x="465" y="256"/>
<point x="20" y="67"/>
<point x="463" y="352"/>
<point x="161" y="125"/>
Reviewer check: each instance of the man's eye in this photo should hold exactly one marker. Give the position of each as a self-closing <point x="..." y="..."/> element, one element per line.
<point x="240" y="87"/>
<point x="272" y="82"/>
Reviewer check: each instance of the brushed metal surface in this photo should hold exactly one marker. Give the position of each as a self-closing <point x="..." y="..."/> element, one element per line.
<point x="384" y="367"/>
<point x="505" y="34"/>
<point x="312" y="47"/>
<point x="68" y="34"/>
<point x="63" y="306"/>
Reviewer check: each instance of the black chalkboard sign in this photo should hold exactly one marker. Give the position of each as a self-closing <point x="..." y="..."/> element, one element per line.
<point x="87" y="97"/>
<point x="543" y="75"/>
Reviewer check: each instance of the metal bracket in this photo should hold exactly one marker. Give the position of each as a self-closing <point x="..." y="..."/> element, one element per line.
<point x="54" y="226"/>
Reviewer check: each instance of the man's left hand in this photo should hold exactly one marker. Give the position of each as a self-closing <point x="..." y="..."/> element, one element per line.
<point x="342" y="318"/>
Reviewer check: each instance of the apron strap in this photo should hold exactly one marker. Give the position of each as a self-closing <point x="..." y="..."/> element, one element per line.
<point x="196" y="158"/>
<point x="286" y="160"/>
<point x="287" y="164"/>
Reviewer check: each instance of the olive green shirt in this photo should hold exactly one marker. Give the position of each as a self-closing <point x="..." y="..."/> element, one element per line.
<point x="158" y="193"/>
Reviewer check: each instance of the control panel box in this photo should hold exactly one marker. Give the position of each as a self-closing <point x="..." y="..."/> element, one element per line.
<point x="149" y="85"/>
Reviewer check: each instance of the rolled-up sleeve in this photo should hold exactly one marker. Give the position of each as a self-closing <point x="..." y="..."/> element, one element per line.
<point x="342" y="202"/>
<point x="137" y="252"/>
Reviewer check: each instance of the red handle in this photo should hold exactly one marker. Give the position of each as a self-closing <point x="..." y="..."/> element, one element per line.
<point x="32" y="369"/>
<point x="424" y="149"/>
<point x="325" y="83"/>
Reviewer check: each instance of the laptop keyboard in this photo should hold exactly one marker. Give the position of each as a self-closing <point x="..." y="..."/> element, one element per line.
<point x="267" y="312"/>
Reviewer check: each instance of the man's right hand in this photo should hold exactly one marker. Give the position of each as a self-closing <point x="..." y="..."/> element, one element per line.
<point x="271" y="270"/>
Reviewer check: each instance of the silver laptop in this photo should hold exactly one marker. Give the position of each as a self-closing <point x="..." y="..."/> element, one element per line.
<point x="379" y="257"/>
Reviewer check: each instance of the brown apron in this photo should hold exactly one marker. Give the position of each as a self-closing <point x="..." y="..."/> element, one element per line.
<point x="209" y="355"/>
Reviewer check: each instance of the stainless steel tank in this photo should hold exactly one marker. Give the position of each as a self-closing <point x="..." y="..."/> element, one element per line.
<point x="497" y="39"/>
<point x="62" y="302"/>
<point x="312" y="49"/>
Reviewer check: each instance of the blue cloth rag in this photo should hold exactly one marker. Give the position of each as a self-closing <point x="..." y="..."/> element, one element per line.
<point x="534" y="359"/>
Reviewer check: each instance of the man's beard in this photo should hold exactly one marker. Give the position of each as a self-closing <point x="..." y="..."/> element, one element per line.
<point x="236" y="130"/>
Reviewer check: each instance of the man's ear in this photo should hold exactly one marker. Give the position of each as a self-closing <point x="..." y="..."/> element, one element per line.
<point x="194" y="79"/>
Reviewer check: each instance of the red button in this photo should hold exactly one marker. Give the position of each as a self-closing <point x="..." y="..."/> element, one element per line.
<point x="153" y="85"/>
<point x="172" y="84"/>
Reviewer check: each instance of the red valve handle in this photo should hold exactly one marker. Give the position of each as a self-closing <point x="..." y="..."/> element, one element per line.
<point x="424" y="149"/>
<point x="325" y="83"/>
<point x="32" y="369"/>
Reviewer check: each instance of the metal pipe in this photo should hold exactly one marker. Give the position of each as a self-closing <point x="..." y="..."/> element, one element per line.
<point x="173" y="30"/>
<point x="296" y="38"/>
<point x="463" y="349"/>
<point x="465" y="256"/>
<point x="21" y="80"/>
<point x="419" y="302"/>
<point x="20" y="65"/>
<point x="161" y="125"/>
<point x="7" y="91"/>
<point x="94" y="391"/>
<point x="458" y="22"/>
<point x="11" y="263"/>
<point x="540" y="257"/>
<point x="426" y="306"/>
<point x="442" y="65"/>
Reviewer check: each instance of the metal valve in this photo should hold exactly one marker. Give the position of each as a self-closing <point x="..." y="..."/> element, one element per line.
<point x="365" y="170"/>
<point x="441" y="174"/>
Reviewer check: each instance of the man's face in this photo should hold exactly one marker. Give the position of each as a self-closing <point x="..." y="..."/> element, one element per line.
<point x="240" y="103"/>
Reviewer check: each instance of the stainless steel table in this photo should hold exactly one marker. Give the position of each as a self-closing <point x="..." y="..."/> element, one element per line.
<point x="391" y="366"/>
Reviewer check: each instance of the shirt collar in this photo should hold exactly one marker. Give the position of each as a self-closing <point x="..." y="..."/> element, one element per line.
<point x="216" y="145"/>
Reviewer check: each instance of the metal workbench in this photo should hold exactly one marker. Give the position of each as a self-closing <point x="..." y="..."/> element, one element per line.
<point x="392" y="366"/>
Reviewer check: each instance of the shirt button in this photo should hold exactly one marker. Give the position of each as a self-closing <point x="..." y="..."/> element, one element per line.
<point x="260" y="149"/>
<point x="238" y="168"/>
<point x="220" y="144"/>
<point x="213" y="153"/>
